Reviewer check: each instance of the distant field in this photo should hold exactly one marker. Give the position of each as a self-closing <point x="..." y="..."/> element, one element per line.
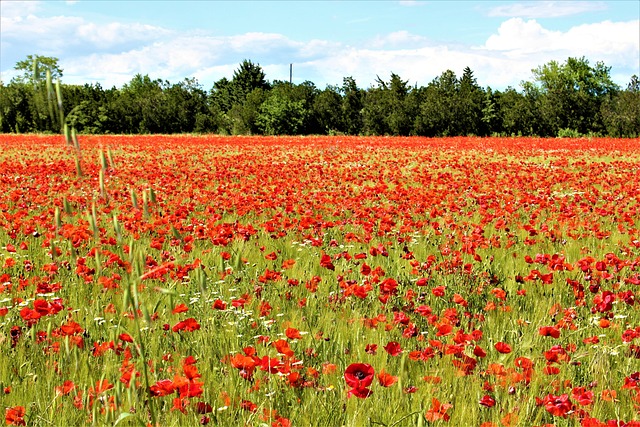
<point x="319" y="281"/>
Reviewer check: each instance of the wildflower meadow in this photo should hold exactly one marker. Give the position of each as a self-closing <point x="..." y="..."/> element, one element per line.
<point x="319" y="281"/>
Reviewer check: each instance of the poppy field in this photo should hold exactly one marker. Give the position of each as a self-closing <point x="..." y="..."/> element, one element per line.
<point x="319" y="281"/>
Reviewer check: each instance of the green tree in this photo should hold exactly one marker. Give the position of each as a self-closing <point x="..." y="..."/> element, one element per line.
<point x="572" y="94"/>
<point x="246" y="79"/>
<point x="327" y="111"/>
<point x="386" y="108"/>
<point x="234" y="104"/>
<point x="220" y="101"/>
<point x="34" y="69"/>
<point x="16" y="108"/>
<point x="281" y="116"/>
<point x="352" y="104"/>
<point x="221" y="95"/>
<point x="243" y="117"/>
<point x="490" y="113"/>
<point x="516" y="114"/>
<point x="374" y="110"/>
<point x="85" y="105"/>
<point x="470" y="99"/>
<point x="437" y="111"/>
<point x="287" y="109"/>
<point x="186" y="105"/>
<point x="402" y="111"/>
<point x="621" y="111"/>
<point x="141" y="105"/>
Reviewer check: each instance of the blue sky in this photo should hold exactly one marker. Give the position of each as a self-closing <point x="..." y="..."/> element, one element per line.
<point x="110" y="41"/>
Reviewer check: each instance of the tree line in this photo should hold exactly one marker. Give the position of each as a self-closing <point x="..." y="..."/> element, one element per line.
<point x="573" y="98"/>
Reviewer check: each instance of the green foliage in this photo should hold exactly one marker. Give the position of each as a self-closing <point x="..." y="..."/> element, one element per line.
<point x="244" y="116"/>
<point x="34" y="69"/>
<point x="437" y="115"/>
<point x="15" y="108"/>
<point x="281" y="115"/>
<point x="352" y="103"/>
<point x="469" y="105"/>
<point x="572" y="94"/>
<point x="186" y="101"/>
<point x="387" y="108"/>
<point x="621" y="111"/>
<point x="490" y="112"/>
<point x="327" y="110"/>
<point x="574" y="97"/>
<point x="517" y="113"/>
<point x="246" y="79"/>
<point x="569" y="133"/>
<point x="234" y="103"/>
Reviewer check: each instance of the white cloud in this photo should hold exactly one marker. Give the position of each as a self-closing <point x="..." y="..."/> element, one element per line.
<point x="205" y="57"/>
<point x="615" y="43"/>
<point x="258" y="42"/>
<point x="546" y="9"/>
<point x="58" y="34"/>
<point x="14" y="9"/>
<point x="115" y="33"/>
<point x="112" y="53"/>
<point x="411" y="3"/>
<point x="419" y="66"/>
<point x="398" y="39"/>
<point x="505" y="59"/>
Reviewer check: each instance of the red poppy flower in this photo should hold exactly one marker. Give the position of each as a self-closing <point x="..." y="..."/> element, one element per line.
<point x="371" y="349"/>
<point x="359" y="375"/>
<point x="582" y="396"/>
<point x="281" y="422"/>
<point x="293" y="334"/>
<point x="219" y="305"/>
<point x="180" y="404"/>
<point x="503" y="347"/>
<point x="162" y="388"/>
<point x="393" y="348"/>
<point x="385" y="379"/>
<point x="365" y="270"/>
<point x="444" y="330"/>
<point x="325" y="261"/>
<point x="180" y="308"/>
<point x="549" y="331"/>
<point x="288" y="263"/>
<point x="282" y="347"/>
<point x="188" y="325"/>
<point x="479" y="352"/>
<point x="551" y="370"/>
<point x="558" y="406"/>
<point x="125" y="337"/>
<point x="67" y="387"/>
<point x="438" y="411"/>
<point x="360" y="392"/>
<point x="15" y="416"/>
<point x="438" y="291"/>
<point x="632" y="381"/>
<point x="487" y="401"/>
<point x="203" y="408"/>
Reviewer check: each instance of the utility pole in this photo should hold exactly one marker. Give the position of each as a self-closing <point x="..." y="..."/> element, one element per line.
<point x="290" y="73"/>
